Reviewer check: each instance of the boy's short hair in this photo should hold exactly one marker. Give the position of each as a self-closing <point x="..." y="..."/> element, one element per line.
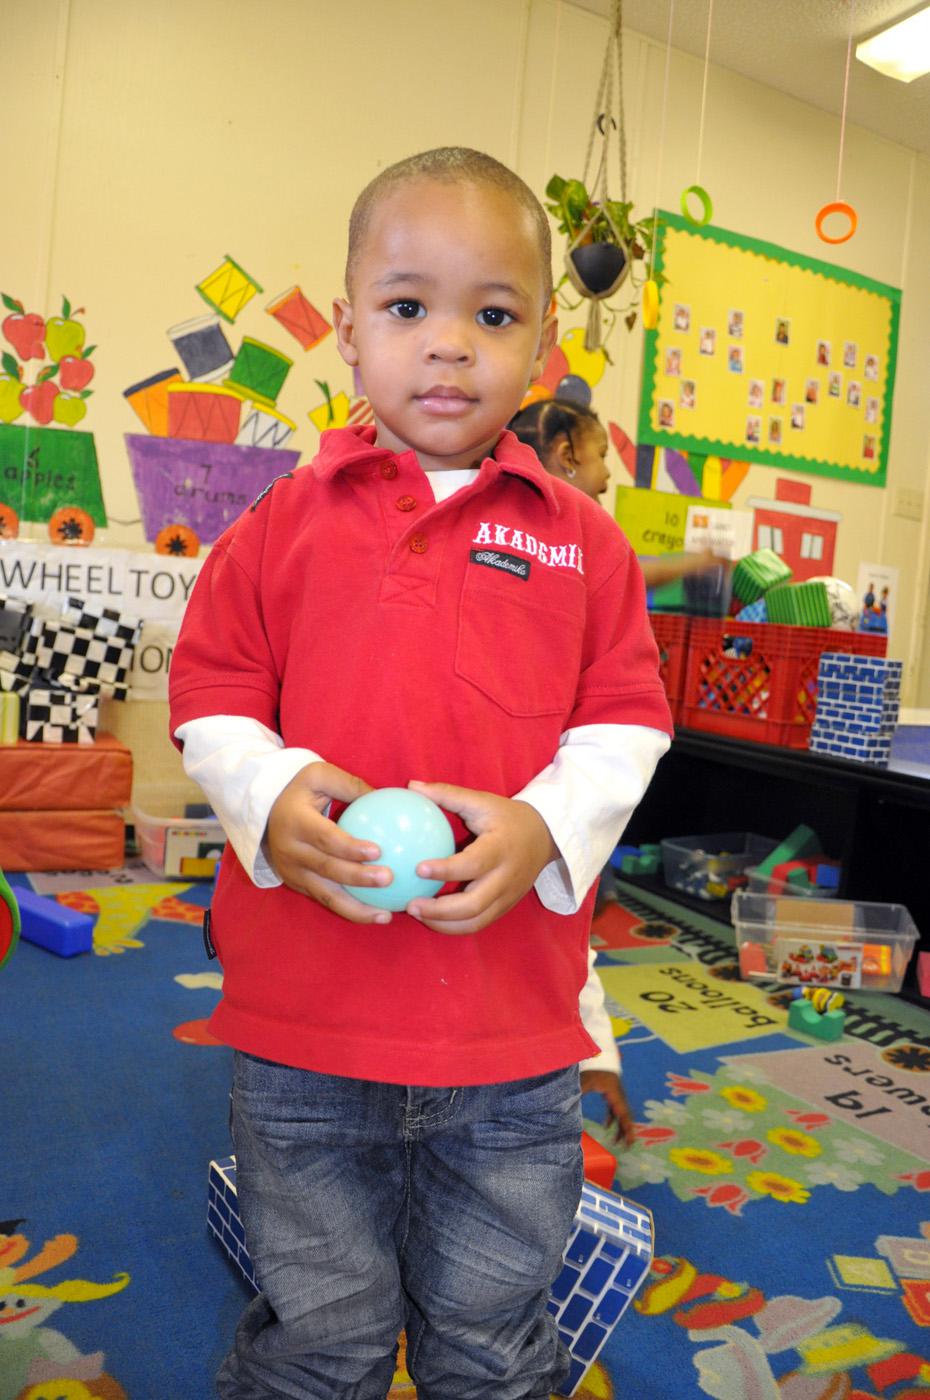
<point x="453" y="165"/>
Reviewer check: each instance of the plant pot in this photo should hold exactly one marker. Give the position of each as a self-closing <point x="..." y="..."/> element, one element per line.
<point x="600" y="267"/>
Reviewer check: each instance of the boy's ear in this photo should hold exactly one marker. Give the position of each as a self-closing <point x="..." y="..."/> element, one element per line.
<point x="547" y="338"/>
<point x="344" y="326"/>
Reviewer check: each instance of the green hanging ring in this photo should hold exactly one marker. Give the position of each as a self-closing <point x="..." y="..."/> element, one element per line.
<point x="707" y="207"/>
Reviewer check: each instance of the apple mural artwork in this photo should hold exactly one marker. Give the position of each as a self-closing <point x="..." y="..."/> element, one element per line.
<point x="76" y="372"/>
<point x="63" y="335"/>
<point x="39" y="400"/>
<point x="69" y="409"/>
<point x="48" y="469"/>
<point x="11" y="390"/>
<point x="25" y="331"/>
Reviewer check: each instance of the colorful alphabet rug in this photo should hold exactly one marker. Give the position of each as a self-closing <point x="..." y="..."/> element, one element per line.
<point x="789" y="1178"/>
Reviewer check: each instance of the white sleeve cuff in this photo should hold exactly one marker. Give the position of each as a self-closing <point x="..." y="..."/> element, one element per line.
<point x="586" y="796"/>
<point x="593" y="1008"/>
<point x="242" y="767"/>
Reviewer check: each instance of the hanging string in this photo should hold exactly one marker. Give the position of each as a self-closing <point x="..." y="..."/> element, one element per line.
<point x="700" y="149"/>
<point x="839" y="163"/>
<point x="668" y="57"/>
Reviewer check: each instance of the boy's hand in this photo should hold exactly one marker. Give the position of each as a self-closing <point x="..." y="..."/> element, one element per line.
<point x="513" y="845"/>
<point x="610" y="1087"/>
<point x="315" y="857"/>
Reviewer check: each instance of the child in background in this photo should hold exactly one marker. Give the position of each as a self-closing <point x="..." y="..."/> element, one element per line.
<point x="423" y="602"/>
<point x="571" y="443"/>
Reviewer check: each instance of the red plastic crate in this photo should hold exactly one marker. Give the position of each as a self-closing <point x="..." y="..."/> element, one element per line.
<point x="758" y="680"/>
<point x="671" y="633"/>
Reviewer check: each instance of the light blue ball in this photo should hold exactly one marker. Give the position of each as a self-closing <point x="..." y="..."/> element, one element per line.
<point x="408" y="828"/>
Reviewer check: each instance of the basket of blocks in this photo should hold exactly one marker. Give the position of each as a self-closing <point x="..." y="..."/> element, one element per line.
<point x="758" y="680"/>
<point x="671" y="633"/>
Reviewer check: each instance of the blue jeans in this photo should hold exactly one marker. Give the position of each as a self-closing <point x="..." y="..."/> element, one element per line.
<point x="373" y="1207"/>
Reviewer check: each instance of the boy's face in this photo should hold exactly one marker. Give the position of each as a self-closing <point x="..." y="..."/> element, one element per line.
<point x="446" y="320"/>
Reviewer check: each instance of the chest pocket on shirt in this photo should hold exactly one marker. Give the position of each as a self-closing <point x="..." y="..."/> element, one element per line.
<point x="523" y="652"/>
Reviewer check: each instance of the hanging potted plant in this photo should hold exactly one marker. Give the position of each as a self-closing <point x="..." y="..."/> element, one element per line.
<point x="604" y="240"/>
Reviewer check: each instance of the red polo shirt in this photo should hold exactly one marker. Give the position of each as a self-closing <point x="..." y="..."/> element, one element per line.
<point x="403" y="639"/>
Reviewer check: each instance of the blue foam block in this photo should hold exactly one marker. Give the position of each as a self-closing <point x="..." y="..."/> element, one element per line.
<point x="52" y="926"/>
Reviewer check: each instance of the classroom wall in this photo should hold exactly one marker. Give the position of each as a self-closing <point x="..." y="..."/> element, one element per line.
<point x="144" y="142"/>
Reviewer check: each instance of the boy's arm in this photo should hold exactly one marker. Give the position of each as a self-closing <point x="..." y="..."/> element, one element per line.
<point x="242" y="767"/>
<point x="586" y="796"/>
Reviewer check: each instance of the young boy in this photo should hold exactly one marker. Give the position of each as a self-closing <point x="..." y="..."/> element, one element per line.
<point x="421" y="605"/>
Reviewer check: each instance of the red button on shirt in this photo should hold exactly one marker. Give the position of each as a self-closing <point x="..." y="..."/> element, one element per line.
<point x="418" y="543"/>
<point x="389" y="470"/>
<point x="406" y="503"/>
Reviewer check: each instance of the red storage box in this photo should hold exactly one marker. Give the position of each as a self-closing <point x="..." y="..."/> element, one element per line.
<point x="62" y="840"/>
<point x="671" y="633"/>
<point x="63" y="777"/>
<point x="758" y="680"/>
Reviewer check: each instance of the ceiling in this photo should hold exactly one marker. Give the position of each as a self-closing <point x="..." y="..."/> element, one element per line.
<point x="797" y="47"/>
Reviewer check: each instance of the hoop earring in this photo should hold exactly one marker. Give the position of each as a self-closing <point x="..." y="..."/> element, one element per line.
<point x="571" y="473"/>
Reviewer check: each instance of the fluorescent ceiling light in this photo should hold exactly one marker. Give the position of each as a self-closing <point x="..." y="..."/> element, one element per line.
<point x="901" y="51"/>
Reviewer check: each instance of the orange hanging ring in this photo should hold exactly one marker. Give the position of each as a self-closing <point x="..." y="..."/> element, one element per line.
<point x="838" y="206"/>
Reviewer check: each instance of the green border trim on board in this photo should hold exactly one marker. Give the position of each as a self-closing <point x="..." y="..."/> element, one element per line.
<point x="734" y="451"/>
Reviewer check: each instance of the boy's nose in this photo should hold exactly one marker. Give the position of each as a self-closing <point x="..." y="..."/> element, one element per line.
<point x="450" y="344"/>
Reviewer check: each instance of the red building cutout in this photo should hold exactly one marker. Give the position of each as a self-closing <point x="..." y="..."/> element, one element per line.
<point x="802" y="535"/>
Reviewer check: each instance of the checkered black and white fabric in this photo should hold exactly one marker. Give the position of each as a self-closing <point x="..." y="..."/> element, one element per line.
<point x="77" y="659"/>
<point x="18" y="664"/>
<point x="61" y="717"/>
<point x="103" y="622"/>
<point x="15" y="619"/>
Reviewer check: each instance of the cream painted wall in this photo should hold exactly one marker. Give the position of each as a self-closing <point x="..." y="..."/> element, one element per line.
<point x="145" y="141"/>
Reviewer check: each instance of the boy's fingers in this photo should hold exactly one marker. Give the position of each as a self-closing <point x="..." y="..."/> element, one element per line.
<point x="466" y="803"/>
<point x="330" y="895"/>
<point x="335" y="782"/>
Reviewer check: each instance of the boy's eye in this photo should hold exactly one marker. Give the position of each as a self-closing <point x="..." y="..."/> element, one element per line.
<point x="407" y="310"/>
<point x="494" y="316"/>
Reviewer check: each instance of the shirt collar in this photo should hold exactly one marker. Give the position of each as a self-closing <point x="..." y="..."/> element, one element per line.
<point x="342" y="449"/>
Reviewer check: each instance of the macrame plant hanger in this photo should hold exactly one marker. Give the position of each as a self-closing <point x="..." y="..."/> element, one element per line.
<point x="606" y="125"/>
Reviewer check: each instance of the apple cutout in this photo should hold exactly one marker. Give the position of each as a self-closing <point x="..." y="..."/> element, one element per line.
<point x="68" y="409"/>
<point x="75" y="372"/>
<point x="25" y="331"/>
<point x="39" y="400"/>
<point x="63" y="334"/>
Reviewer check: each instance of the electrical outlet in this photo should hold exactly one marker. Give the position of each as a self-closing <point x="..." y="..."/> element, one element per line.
<point x="908" y="504"/>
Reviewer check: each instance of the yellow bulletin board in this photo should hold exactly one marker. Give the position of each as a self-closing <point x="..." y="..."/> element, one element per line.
<point x="769" y="356"/>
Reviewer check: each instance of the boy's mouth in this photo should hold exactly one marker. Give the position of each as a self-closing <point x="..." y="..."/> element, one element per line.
<point x="444" y="400"/>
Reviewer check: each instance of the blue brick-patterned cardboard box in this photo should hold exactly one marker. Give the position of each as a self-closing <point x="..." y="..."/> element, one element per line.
<point x="858" y="703"/>
<point x="754" y="612"/>
<point x="606" y="1260"/>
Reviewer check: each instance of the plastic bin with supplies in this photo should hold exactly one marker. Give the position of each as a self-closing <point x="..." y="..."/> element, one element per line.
<point x="172" y="844"/>
<point x="757" y="882"/>
<point x="840" y="943"/>
<point x="711" y="867"/>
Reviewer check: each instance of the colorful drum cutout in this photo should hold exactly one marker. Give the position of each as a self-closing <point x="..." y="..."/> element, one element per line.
<point x="228" y="289"/>
<point x="202" y="348"/>
<point x="258" y="371"/>
<point x="838" y="206"/>
<point x="704" y="199"/>
<point x="297" y="315"/>
<point x="149" y="400"/>
<point x="203" y="413"/>
<point x="263" y="427"/>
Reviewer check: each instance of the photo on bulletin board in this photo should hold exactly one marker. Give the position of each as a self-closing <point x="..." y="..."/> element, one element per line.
<point x="788" y="361"/>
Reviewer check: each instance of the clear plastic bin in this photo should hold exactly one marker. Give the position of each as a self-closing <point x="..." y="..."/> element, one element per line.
<point x="710" y="867"/>
<point x="823" y="942"/>
<point x="757" y="882"/>
<point x="172" y="845"/>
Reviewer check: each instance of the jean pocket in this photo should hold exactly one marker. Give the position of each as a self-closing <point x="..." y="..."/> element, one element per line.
<point x="522" y="653"/>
